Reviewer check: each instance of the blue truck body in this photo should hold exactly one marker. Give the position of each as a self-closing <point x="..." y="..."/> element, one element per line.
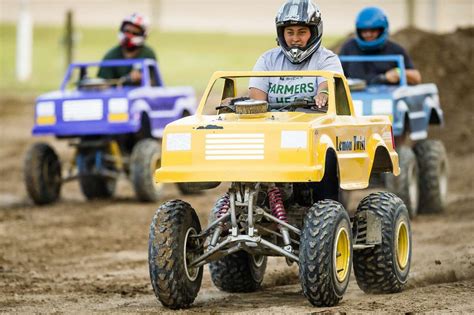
<point x="422" y="183"/>
<point x="411" y="108"/>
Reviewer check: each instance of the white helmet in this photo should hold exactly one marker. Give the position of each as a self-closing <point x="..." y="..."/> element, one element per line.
<point x="133" y="41"/>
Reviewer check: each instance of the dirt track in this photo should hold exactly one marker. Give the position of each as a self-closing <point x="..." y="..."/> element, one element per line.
<point x="78" y="256"/>
<point x="91" y="256"/>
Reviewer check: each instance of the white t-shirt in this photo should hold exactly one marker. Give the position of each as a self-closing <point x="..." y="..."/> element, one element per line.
<point x="286" y="89"/>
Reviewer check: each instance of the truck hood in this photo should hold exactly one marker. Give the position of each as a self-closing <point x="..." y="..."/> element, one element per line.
<point x="273" y="147"/>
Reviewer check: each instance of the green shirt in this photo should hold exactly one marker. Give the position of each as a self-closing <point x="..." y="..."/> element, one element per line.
<point x="117" y="53"/>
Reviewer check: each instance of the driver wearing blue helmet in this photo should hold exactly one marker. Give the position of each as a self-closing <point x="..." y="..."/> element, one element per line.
<point x="372" y="34"/>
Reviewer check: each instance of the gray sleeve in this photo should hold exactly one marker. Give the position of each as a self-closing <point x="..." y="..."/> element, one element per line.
<point x="260" y="83"/>
<point x="331" y="62"/>
<point x="328" y="61"/>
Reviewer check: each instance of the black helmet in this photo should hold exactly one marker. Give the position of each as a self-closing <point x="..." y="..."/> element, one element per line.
<point x="299" y="12"/>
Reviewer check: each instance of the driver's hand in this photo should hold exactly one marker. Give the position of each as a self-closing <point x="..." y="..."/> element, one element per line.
<point x="226" y="101"/>
<point x="135" y="75"/>
<point x="321" y="99"/>
<point x="392" y="75"/>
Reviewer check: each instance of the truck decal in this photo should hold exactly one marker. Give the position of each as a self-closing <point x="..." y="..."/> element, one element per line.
<point x="357" y="143"/>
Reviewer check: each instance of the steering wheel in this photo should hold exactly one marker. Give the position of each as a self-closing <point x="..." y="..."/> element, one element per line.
<point x="304" y="102"/>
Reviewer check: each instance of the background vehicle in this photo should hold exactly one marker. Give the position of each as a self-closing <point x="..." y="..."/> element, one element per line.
<point x="114" y="128"/>
<point x="285" y="164"/>
<point x="412" y="108"/>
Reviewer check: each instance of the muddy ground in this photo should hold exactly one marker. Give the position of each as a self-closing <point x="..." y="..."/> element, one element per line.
<point x="77" y="256"/>
<point x="91" y="256"/>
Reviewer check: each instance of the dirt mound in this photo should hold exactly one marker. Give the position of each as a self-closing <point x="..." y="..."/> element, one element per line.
<point x="448" y="61"/>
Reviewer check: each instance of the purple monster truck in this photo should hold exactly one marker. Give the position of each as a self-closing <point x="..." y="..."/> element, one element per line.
<point x="114" y="128"/>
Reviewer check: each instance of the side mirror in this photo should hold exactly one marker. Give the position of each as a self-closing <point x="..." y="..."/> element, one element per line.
<point x="229" y="89"/>
<point x="82" y="73"/>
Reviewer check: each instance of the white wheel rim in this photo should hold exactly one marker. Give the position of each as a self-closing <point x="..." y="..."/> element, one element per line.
<point x="191" y="273"/>
<point x="443" y="182"/>
<point x="413" y="187"/>
<point x="258" y="260"/>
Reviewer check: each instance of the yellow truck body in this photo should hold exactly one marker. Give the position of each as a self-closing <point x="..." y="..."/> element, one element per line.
<point x="278" y="146"/>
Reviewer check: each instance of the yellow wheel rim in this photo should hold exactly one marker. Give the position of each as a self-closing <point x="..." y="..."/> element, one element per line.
<point x="403" y="245"/>
<point x="342" y="254"/>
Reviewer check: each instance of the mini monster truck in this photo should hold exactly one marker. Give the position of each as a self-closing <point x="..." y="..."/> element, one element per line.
<point x="114" y="127"/>
<point x="423" y="182"/>
<point x="285" y="163"/>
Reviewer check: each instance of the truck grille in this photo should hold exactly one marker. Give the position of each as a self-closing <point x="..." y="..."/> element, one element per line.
<point x="82" y="110"/>
<point x="235" y="146"/>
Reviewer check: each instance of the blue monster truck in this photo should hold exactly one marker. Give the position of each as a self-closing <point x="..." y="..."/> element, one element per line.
<point x="114" y="128"/>
<point x="422" y="183"/>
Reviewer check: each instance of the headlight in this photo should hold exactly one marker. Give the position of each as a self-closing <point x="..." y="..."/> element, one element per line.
<point x="118" y="109"/>
<point x="294" y="139"/>
<point x="45" y="109"/>
<point x="46" y="113"/>
<point x="178" y="142"/>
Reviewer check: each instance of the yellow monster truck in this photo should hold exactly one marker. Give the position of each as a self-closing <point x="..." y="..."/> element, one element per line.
<point x="284" y="163"/>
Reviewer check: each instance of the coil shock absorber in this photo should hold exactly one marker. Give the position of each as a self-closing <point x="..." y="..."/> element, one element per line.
<point x="276" y="204"/>
<point x="223" y="207"/>
<point x="278" y="211"/>
<point x="223" y="204"/>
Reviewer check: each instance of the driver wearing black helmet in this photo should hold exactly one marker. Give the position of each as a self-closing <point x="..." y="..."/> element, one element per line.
<point x="299" y="30"/>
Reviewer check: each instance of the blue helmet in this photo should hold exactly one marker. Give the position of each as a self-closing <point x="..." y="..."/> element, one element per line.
<point x="372" y="18"/>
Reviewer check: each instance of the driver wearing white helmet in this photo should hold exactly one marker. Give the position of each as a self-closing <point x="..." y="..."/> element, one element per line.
<point x="132" y="34"/>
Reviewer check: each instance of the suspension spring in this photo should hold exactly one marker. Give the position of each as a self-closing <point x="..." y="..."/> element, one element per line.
<point x="224" y="205"/>
<point x="276" y="204"/>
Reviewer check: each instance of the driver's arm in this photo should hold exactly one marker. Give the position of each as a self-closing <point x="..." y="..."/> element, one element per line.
<point x="321" y="99"/>
<point x="257" y="94"/>
<point x="136" y="76"/>
<point x="413" y="76"/>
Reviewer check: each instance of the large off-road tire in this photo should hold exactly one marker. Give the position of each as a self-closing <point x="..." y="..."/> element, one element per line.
<point x="97" y="186"/>
<point x="187" y="189"/>
<point x="42" y="174"/>
<point x="325" y="253"/>
<point x="406" y="184"/>
<point x="237" y="272"/>
<point x="170" y="249"/>
<point x="384" y="268"/>
<point x="433" y="169"/>
<point x="146" y="158"/>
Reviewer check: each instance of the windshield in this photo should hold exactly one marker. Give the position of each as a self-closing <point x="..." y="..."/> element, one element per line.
<point x="282" y="93"/>
<point x="110" y="74"/>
